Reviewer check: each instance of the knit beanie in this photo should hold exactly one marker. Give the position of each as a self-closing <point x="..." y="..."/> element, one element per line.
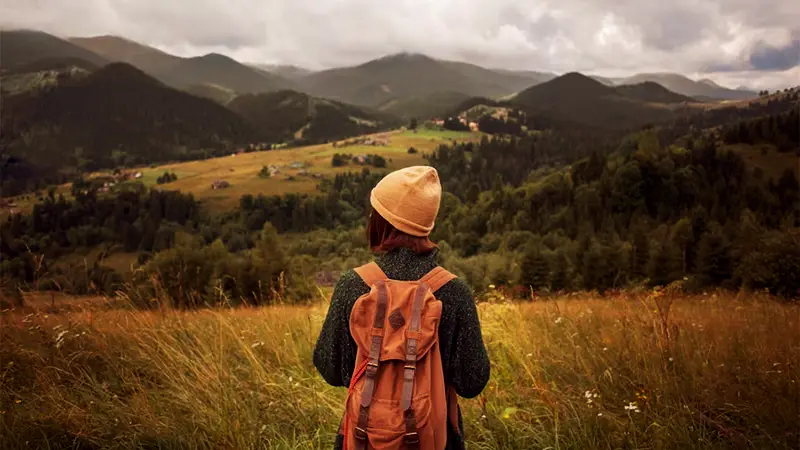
<point x="409" y="199"/>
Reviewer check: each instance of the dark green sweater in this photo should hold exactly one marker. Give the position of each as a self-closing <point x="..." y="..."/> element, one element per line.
<point x="464" y="358"/>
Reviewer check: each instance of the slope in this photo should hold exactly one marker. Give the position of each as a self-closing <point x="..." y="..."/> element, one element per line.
<point x="114" y="48"/>
<point x="578" y="98"/>
<point x="117" y="115"/>
<point x="424" y="106"/>
<point x="21" y="48"/>
<point x="185" y="72"/>
<point x="686" y="86"/>
<point x="408" y="75"/>
<point x="224" y="71"/>
<point x="287" y="115"/>
<point x="651" y="92"/>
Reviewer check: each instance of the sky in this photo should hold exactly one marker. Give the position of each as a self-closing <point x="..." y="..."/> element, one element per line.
<point x="734" y="42"/>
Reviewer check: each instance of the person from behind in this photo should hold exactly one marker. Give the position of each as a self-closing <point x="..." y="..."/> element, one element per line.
<point x="401" y="332"/>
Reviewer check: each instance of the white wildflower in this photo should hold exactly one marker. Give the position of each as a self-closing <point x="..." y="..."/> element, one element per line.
<point x="558" y="320"/>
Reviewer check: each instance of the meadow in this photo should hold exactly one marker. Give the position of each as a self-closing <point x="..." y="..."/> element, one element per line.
<point x="634" y="371"/>
<point x="241" y="171"/>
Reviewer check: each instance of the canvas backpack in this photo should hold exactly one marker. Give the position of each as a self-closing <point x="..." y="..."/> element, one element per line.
<point x="397" y="397"/>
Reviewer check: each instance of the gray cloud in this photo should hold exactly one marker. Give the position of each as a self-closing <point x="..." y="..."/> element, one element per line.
<point x="766" y="57"/>
<point x="730" y="40"/>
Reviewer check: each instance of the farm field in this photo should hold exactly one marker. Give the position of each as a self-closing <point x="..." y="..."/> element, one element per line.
<point x="241" y="171"/>
<point x="635" y="371"/>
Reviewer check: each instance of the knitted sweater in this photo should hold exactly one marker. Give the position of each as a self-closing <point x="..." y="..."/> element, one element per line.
<point x="464" y="358"/>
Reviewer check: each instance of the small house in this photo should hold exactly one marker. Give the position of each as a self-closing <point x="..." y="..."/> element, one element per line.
<point x="473" y="126"/>
<point x="297" y="165"/>
<point x="138" y="175"/>
<point x="220" y="184"/>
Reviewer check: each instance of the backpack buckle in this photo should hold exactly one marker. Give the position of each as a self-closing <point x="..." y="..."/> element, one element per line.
<point x="412" y="438"/>
<point x="361" y="434"/>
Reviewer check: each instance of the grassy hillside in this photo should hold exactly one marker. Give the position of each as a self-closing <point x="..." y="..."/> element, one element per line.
<point x="219" y="94"/>
<point x="117" y="115"/>
<point x="406" y="75"/>
<point x="581" y="99"/>
<point x="575" y="372"/>
<point x="424" y="106"/>
<point x="686" y="86"/>
<point x="289" y="115"/>
<point x="23" y="47"/>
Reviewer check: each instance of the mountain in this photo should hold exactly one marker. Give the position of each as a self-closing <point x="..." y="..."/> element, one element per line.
<point x="686" y="86"/>
<point x="576" y="97"/>
<point x="293" y="116"/>
<point x="424" y="106"/>
<point x="286" y="71"/>
<point x="117" y="115"/>
<point x="22" y="48"/>
<point x="113" y="48"/>
<point x="608" y="81"/>
<point x="224" y="71"/>
<point x="651" y="92"/>
<point x="185" y="72"/>
<point x="405" y="75"/>
<point x="219" y="94"/>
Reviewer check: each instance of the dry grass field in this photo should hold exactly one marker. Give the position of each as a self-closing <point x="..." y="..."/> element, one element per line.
<point x="241" y="171"/>
<point x="638" y="371"/>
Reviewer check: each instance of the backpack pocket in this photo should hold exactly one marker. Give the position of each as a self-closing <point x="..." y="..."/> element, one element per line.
<point x="386" y="427"/>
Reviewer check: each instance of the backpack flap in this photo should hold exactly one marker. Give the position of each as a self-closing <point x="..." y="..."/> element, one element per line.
<point x="395" y="329"/>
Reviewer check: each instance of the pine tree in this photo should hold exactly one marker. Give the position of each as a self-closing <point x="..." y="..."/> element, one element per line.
<point x="663" y="265"/>
<point x="714" y="263"/>
<point x="535" y="269"/>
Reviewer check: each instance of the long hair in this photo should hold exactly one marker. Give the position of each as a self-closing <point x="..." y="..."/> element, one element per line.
<point x="384" y="237"/>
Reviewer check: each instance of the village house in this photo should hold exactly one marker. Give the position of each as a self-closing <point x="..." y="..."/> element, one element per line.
<point x="220" y="184"/>
<point x="473" y="126"/>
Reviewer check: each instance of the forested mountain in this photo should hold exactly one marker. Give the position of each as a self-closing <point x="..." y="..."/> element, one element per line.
<point x="117" y="115"/>
<point x="581" y="99"/>
<point x="113" y="48"/>
<point x="704" y="89"/>
<point x="185" y="72"/>
<point x="650" y="92"/>
<point x="24" y="47"/>
<point x="424" y="106"/>
<point x="293" y="116"/>
<point x="410" y="75"/>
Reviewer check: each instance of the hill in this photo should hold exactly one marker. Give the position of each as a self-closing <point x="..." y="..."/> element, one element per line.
<point x="184" y="73"/>
<point x="117" y="115"/>
<point x="24" y="47"/>
<point x="219" y="94"/>
<point x="686" y="86"/>
<point x="406" y="75"/>
<point x="289" y="72"/>
<point x="651" y="92"/>
<point x="221" y="70"/>
<point x="424" y="106"/>
<point x="581" y="99"/>
<point x="114" y="48"/>
<point x="289" y="115"/>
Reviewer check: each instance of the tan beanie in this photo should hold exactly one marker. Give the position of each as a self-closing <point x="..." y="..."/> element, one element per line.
<point x="409" y="199"/>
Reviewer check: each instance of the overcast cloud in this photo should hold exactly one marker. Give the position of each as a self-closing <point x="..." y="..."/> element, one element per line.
<point x="753" y="42"/>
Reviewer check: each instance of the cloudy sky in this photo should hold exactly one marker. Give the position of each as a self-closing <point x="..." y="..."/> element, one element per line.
<point x="734" y="42"/>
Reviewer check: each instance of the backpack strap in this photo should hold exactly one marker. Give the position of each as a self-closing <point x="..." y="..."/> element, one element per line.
<point x="411" y="438"/>
<point x="371" y="273"/>
<point x="373" y="361"/>
<point x="437" y="278"/>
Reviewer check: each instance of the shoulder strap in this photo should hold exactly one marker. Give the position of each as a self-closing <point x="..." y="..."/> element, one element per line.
<point x="371" y="273"/>
<point x="437" y="278"/>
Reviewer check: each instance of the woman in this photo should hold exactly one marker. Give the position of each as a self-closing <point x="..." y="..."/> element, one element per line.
<point x="405" y="204"/>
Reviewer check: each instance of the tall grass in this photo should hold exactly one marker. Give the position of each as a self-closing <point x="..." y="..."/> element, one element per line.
<point x="569" y="373"/>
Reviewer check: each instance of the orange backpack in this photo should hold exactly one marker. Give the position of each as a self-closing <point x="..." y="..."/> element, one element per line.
<point x="397" y="397"/>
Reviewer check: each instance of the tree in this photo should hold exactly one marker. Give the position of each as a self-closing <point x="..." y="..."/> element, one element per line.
<point x="714" y="263"/>
<point x="535" y="270"/>
<point x="412" y="125"/>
